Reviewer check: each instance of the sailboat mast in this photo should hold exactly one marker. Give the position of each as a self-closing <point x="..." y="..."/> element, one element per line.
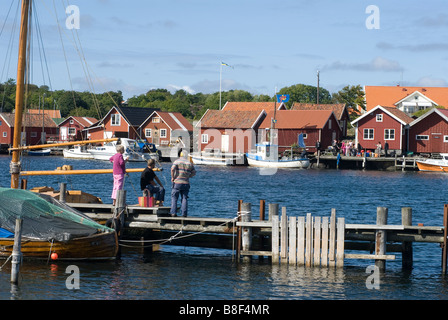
<point x="20" y="91"/>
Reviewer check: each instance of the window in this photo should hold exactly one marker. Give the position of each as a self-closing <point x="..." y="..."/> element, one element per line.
<point x="156" y="120"/>
<point x="445" y="138"/>
<point x="329" y="124"/>
<point x="379" y="118"/>
<point x="72" y="131"/>
<point x="162" y="133"/>
<point x="148" y="133"/>
<point x="204" y="138"/>
<point x="115" y="119"/>
<point x="368" y="134"/>
<point x="421" y="137"/>
<point x="5" y="134"/>
<point x="389" y="134"/>
<point x="72" y="122"/>
<point x="33" y="134"/>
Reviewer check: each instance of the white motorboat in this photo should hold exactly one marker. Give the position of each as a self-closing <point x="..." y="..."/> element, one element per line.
<point x="77" y="152"/>
<point x="132" y="151"/>
<point x="266" y="156"/>
<point x="217" y="158"/>
<point x="440" y="165"/>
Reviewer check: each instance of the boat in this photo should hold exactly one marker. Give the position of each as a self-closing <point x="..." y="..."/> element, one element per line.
<point x="216" y="158"/>
<point x="132" y="151"/>
<point x="50" y="227"/>
<point x="439" y="165"/>
<point x="39" y="152"/>
<point x="266" y="156"/>
<point x="77" y="152"/>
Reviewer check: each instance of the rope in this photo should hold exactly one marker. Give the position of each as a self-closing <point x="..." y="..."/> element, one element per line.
<point x="9" y="258"/>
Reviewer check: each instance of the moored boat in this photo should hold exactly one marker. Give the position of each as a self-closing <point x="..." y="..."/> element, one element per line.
<point x="77" y="152"/>
<point x="39" y="152"/>
<point x="132" y="151"/>
<point x="51" y="227"/>
<point x="438" y="165"/>
<point x="266" y="156"/>
<point x="217" y="158"/>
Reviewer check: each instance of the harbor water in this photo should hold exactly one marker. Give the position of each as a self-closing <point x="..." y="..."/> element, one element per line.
<point x="185" y="273"/>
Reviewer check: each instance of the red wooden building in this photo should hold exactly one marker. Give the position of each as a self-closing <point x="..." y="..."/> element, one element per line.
<point x="33" y="125"/>
<point x="429" y="133"/>
<point x="71" y="129"/>
<point x="382" y="124"/>
<point x="120" y="122"/>
<point x="315" y="125"/>
<point x="229" y="131"/>
<point x="164" y="128"/>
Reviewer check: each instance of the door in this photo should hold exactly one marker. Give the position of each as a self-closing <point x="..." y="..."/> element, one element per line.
<point x="225" y="143"/>
<point x="63" y="134"/>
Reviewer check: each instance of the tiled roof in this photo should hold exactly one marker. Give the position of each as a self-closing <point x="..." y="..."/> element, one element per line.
<point x="135" y="115"/>
<point x="337" y="108"/>
<point x="247" y="106"/>
<point x="230" y="119"/>
<point x="297" y="119"/>
<point x="30" y="120"/>
<point x="51" y="113"/>
<point x="389" y="95"/>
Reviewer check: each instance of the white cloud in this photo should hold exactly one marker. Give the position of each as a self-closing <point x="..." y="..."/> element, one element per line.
<point x="172" y="87"/>
<point x="377" y="64"/>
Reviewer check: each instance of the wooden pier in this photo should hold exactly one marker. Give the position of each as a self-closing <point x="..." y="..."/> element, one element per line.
<point x="376" y="163"/>
<point x="304" y="240"/>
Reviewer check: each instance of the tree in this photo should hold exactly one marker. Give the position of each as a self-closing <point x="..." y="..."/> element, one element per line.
<point x="352" y="96"/>
<point x="305" y="94"/>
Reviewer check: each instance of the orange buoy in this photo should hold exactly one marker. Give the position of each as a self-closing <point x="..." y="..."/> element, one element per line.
<point x="54" y="256"/>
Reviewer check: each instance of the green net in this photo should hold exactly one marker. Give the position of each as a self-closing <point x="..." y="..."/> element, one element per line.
<point x="44" y="217"/>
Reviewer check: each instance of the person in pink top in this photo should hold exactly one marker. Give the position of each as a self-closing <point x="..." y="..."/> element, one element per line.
<point x="119" y="170"/>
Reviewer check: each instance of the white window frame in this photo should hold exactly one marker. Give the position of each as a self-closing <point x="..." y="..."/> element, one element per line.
<point x="204" y="138"/>
<point x="379" y="117"/>
<point x="5" y="134"/>
<point x="163" y="133"/>
<point x="148" y="133"/>
<point x="155" y="120"/>
<point x="421" y="137"/>
<point x="445" y="138"/>
<point x="372" y="131"/>
<point x="388" y="133"/>
<point x="70" y="131"/>
<point x="115" y="119"/>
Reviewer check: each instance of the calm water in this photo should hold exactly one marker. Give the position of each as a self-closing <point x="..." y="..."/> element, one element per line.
<point x="177" y="273"/>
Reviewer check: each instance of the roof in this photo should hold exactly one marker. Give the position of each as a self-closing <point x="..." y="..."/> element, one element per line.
<point x="248" y="106"/>
<point x="441" y="112"/>
<point x="390" y="95"/>
<point x="395" y="113"/>
<point x="175" y="120"/>
<point x="298" y="119"/>
<point x="83" y="121"/>
<point x="337" y="108"/>
<point x="230" y="119"/>
<point x="30" y="120"/>
<point x="52" y="113"/>
<point x="135" y="116"/>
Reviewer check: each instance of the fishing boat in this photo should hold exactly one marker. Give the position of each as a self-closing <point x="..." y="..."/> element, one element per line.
<point x="266" y="156"/>
<point x="77" y="152"/>
<point x="439" y="165"/>
<point x="132" y="151"/>
<point x="50" y="227"/>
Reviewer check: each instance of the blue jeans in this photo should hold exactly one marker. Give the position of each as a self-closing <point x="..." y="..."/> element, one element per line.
<point x="157" y="192"/>
<point x="182" y="190"/>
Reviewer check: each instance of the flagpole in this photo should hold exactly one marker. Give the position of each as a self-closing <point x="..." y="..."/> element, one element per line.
<point x="220" y="81"/>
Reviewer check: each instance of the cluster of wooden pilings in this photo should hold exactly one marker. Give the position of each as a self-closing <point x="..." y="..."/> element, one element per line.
<point x="324" y="241"/>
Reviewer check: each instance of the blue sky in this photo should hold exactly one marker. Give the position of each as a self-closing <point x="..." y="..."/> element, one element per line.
<point x="138" y="45"/>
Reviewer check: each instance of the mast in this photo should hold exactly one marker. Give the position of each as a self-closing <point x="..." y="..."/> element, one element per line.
<point x="20" y="90"/>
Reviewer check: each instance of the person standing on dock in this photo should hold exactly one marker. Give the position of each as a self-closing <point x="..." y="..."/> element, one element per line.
<point x="119" y="170"/>
<point x="147" y="183"/>
<point x="378" y="149"/>
<point x="386" y="149"/>
<point x="181" y="172"/>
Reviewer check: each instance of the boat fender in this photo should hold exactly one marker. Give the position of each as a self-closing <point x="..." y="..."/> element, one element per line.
<point x="114" y="224"/>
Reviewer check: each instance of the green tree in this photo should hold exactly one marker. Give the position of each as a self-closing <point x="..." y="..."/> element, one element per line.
<point x="305" y="94"/>
<point x="352" y="96"/>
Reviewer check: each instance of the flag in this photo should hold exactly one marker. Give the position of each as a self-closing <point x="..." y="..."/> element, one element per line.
<point x="225" y="64"/>
<point x="282" y="98"/>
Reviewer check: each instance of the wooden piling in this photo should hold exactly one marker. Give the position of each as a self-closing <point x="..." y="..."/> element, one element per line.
<point x="292" y="257"/>
<point x="273" y="210"/>
<point x="381" y="237"/>
<point x="300" y="241"/>
<point x="63" y="192"/>
<point x="332" y="240"/>
<point x="445" y="238"/>
<point x="407" y="251"/>
<point x="284" y="237"/>
<point x="16" y="252"/>
<point x="275" y="239"/>
<point x="238" y="232"/>
<point x="246" y="235"/>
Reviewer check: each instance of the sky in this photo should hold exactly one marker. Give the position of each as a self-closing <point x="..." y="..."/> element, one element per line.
<point x="138" y="45"/>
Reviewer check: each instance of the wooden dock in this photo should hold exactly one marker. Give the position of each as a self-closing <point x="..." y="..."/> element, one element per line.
<point x="304" y="240"/>
<point x="376" y="163"/>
